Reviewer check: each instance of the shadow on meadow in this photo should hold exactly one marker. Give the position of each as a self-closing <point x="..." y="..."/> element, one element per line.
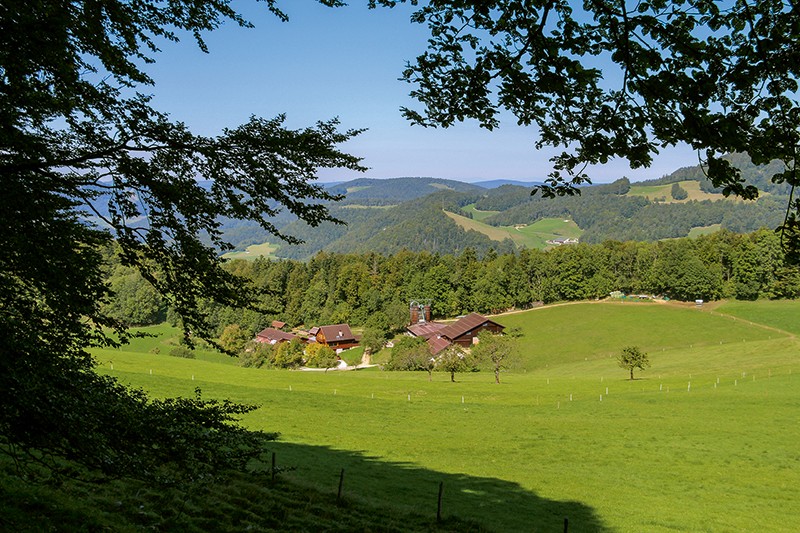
<point x="495" y="504"/>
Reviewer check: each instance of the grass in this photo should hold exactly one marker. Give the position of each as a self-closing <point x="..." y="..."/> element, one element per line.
<point x="477" y="214"/>
<point x="705" y="440"/>
<point x="704" y="230"/>
<point x="534" y="236"/>
<point x="254" y="251"/>
<point x="665" y="191"/>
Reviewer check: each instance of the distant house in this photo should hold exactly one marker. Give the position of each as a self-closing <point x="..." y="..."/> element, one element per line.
<point x="277" y="324"/>
<point x="338" y="336"/>
<point x="463" y="332"/>
<point x="274" y="336"/>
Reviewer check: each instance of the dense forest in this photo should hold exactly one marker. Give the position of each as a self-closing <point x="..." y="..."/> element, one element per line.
<point x="373" y="289"/>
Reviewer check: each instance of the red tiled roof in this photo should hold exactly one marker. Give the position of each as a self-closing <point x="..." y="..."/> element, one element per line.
<point x="337" y="333"/>
<point x="273" y="335"/>
<point x="277" y="324"/>
<point x="426" y="329"/>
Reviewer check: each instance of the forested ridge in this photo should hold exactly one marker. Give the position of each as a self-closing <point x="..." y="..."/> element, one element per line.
<point x="390" y="215"/>
<point x="373" y="289"/>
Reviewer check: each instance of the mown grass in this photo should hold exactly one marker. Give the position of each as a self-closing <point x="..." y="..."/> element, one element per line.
<point x="705" y="440"/>
<point x="652" y="192"/>
<point x="254" y="251"/>
<point x="533" y="236"/>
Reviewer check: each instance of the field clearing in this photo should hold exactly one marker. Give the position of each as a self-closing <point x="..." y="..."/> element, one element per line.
<point x="704" y="230"/>
<point x="651" y="192"/>
<point x="705" y="440"/>
<point x="254" y="251"/>
<point x="533" y="236"/>
<point x="477" y="214"/>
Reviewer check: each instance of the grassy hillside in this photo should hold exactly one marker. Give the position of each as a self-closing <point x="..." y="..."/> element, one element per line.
<point x="532" y="236"/>
<point x="664" y="192"/>
<point x="703" y="440"/>
<point x="254" y="251"/>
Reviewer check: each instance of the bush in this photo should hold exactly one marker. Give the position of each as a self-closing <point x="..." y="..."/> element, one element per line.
<point x="289" y="354"/>
<point x="257" y="355"/>
<point x="320" y="356"/>
<point x="182" y="351"/>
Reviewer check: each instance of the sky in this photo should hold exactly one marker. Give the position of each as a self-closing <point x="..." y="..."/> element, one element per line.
<point x="345" y="63"/>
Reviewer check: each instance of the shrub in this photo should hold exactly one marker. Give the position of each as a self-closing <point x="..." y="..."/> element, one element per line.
<point x="257" y="355"/>
<point x="320" y="356"/>
<point x="182" y="351"/>
<point x="289" y="354"/>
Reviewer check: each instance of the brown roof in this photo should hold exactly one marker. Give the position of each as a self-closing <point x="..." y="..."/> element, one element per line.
<point x="437" y="343"/>
<point x="273" y="335"/>
<point x="464" y="325"/>
<point x="313" y="331"/>
<point x="426" y="329"/>
<point x="277" y="324"/>
<point x="337" y="333"/>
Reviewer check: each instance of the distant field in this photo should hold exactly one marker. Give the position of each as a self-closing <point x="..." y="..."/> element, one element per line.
<point x="652" y="192"/>
<point x="704" y="230"/>
<point x="477" y="214"/>
<point x="534" y="236"/>
<point x="254" y="251"/>
<point x="704" y="440"/>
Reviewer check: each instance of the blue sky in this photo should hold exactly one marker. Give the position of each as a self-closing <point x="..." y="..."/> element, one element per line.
<point x="344" y="63"/>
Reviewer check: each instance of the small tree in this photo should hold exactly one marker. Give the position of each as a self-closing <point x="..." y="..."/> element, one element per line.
<point x="496" y="350"/>
<point x="678" y="192"/>
<point x="411" y="353"/>
<point x="257" y="354"/>
<point x="320" y="356"/>
<point x="453" y="359"/>
<point x="289" y="354"/>
<point x="234" y="338"/>
<point x="632" y="357"/>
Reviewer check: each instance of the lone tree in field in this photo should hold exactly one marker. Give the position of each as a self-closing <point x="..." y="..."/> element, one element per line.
<point x="453" y="359"/>
<point x="632" y="357"/>
<point x="497" y="350"/>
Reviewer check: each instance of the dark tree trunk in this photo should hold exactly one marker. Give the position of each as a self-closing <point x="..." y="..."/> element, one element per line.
<point x="453" y="377"/>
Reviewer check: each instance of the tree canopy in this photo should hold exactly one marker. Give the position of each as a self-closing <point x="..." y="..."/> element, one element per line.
<point x="603" y="79"/>
<point x="75" y="133"/>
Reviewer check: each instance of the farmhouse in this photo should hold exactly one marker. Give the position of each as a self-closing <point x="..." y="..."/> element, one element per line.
<point x="463" y="332"/>
<point x="339" y="337"/>
<point x="274" y="336"/>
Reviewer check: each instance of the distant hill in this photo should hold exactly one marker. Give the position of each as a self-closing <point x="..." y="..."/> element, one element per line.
<point x="493" y="184"/>
<point x="447" y="216"/>
<point x="393" y="191"/>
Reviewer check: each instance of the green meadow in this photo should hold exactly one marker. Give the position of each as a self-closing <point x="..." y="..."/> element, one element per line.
<point x="704" y="440"/>
<point x="534" y="236"/>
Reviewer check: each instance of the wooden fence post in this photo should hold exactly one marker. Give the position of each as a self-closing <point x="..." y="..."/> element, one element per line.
<point x="566" y="525"/>
<point x="341" y="483"/>
<point x="273" y="466"/>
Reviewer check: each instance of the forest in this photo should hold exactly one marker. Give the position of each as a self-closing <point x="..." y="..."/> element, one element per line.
<point x="373" y="290"/>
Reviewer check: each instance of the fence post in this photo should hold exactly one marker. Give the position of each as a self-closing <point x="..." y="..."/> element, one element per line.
<point x="566" y="525"/>
<point x="273" y="466"/>
<point x="439" y="506"/>
<point x="341" y="483"/>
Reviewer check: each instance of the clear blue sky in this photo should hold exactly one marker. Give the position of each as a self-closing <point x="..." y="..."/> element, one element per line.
<point x="344" y="63"/>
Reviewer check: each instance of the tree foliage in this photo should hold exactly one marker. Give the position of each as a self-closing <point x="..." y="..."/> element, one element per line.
<point x="496" y="350"/>
<point x="606" y="79"/>
<point x="78" y="139"/>
<point x="632" y="357"/>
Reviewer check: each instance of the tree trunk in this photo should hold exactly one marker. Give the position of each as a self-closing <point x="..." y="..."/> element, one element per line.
<point x="453" y="377"/>
<point x="497" y="375"/>
<point x="631" y="373"/>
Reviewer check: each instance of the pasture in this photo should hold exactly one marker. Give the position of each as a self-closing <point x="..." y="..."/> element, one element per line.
<point x="534" y="236"/>
<point x="704" y="440"/>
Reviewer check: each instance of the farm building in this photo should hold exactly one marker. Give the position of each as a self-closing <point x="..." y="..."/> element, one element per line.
<point x="274" y="336"/>
<point x="463" y="332"/>
<point x="338" y="336"/>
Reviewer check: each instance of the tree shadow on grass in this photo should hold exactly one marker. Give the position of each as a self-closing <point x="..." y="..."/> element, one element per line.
<point x="495" y="504"/>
